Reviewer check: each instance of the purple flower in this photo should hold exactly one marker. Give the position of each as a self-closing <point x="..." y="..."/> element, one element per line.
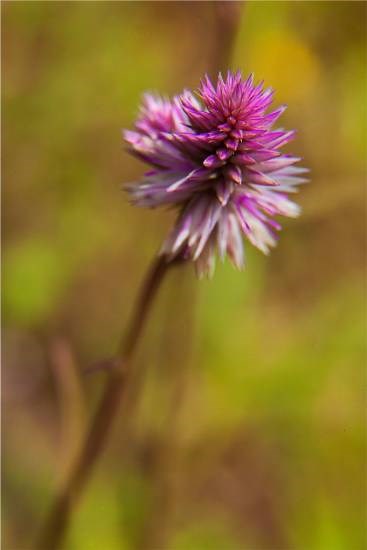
<point x="218" y="161"/>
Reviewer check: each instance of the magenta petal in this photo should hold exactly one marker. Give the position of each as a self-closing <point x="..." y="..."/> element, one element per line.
<point x="215" y="157"/>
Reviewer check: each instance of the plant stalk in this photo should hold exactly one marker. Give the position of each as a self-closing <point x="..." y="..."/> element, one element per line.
<point x="227" y="16"/>
<point x="60" y="514"/>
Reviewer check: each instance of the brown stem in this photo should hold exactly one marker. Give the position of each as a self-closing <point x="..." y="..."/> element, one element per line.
<point x="226" y="20"/>
<point x="59" y="517"/>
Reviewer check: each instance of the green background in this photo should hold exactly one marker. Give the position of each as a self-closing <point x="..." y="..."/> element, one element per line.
<point x="245" y="424"/>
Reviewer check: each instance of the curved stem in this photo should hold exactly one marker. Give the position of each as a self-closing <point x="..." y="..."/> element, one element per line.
<point x="58" y="520"/>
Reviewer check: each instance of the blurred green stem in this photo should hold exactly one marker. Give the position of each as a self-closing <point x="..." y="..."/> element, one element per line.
<point x="60" y="514"/>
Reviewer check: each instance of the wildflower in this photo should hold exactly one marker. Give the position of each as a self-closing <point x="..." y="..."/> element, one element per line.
<point x="218" y="161"/>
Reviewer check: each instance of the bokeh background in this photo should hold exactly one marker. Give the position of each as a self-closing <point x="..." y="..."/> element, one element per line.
<point x="244" y="427"/>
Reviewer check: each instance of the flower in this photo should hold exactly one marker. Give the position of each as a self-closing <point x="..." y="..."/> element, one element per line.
<point x="218" y="161"/>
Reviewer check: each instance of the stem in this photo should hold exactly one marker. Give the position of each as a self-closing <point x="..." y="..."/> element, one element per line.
<point x="226" y="20"/>
<point x="59" y="517"/>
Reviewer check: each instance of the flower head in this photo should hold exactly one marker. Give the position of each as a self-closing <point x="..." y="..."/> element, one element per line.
<point x="217" y="159"/>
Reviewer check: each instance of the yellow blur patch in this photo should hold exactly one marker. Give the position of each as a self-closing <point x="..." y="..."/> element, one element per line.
<point x="287" y="63"/>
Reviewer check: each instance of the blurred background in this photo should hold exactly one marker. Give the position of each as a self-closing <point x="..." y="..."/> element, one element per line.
<point x="244" y="426"/>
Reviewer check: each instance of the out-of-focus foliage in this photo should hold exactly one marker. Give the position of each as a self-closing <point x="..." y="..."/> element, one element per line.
<point x="244" y="428"/>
